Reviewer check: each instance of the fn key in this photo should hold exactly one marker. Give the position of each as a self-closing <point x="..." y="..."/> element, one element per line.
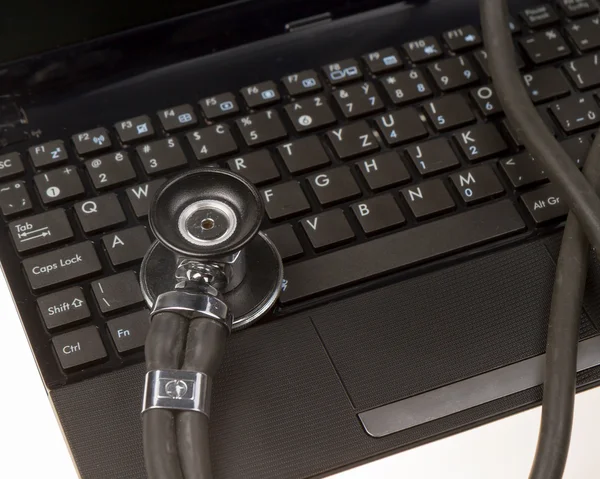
<point x="79" y="348"/>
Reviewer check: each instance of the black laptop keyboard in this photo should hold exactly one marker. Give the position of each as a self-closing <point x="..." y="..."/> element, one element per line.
<point x="366" y="166"/>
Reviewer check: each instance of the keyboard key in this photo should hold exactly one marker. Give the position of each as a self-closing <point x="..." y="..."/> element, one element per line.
<point x="423" y="49"/>
<point x="545" y="84"/>
<point x="14" y="199"/>
<point x="212" y="142"/>
<point x="261" y="94"/>
<point x="161" y="156"/>
<point x="384" y="60"/>
<point x="486" y="100"/>
<point x="64" y="308"/>
<point x="10" y="165"/>
<point x="401" y="126"/>
<point x="134" y="129"/>
<point x="406" y="86"/>
<point x="41" y="230"/>
<point x="140" y="196"/>
<point x="110" y="170"/>
<point x="577" y="148"/>
<point x="117" y="292"/>
<point x="428" y="199"/>
<point x="584" y="72"/>
<point x="400" y="250"/>
<point x="127" y="246"/>
<point x="523" y="170"/>
<point x="284" y="200"/>
<point x="129" y="332"/>
<point x="358" y="100"/>
<point x="178" y="117"/>
<point x="585" y="33"/>
<point x="453" y="73"/>
<point x="577" y="8"/>
<point x="353" y="140"/>
<point x="51" y="153"/>
<point x="219" y="106"/>
<point x="62" y="265"/>
<point x="539" y="16"/>
<point x="303" y="155"/>
<point x="512" y="133"/>
<point x="378" y="214"/>
<point x="462" y="38"/>
<point x="99" y="213"/>
<point x="576" y="113"/>
<point x="448" y="112"/>
<point x="481" y="57"/>
<point x="258" y="167"/>
<point x="79" y="348"/>
<point x="477" y="184"/>
<point x="302" y="83"/>
<point x="480" y="142"/>
<point x="383" y="171"/>
<point x="261" y="128"/>
<point x="343" y="72"/>
<point x="545" y="46"/>
<point x="334" y="185"/>
<point x="433" y="156"/>
<point x="310" y="114"/>
<point x="327" y="229"/>
<point x="91" y="141"/>
<point x="545" y="204"/>
<point x="285" y="241"/>
<point x="59" y="185"/>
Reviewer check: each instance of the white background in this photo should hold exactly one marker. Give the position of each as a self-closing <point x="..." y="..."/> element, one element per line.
<point x="33" y="446"/>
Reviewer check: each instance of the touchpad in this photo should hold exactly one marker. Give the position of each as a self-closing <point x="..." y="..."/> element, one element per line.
<point x="442" y="327"/>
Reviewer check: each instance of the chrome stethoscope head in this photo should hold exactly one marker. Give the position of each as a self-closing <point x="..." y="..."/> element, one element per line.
<point x="206" y="223"/>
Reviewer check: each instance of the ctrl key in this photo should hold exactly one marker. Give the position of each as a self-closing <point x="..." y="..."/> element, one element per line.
<point x="79" y="348"/>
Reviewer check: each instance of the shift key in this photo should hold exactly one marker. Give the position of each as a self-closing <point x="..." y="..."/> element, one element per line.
<point x="62" y="265"/>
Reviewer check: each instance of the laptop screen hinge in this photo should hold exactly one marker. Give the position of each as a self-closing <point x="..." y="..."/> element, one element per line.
<point x="308" y="22"/>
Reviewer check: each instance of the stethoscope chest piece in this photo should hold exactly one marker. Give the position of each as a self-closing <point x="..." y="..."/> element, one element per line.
<point x="207" y="222"/>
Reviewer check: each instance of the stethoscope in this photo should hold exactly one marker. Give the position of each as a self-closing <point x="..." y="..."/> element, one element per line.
<point x="209" y="273"/>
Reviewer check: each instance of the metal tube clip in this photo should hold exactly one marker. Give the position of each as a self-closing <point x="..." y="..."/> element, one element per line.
<point x="177" y="390"/>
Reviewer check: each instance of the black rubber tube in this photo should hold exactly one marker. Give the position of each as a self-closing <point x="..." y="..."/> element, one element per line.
<point x="563" y="335"/>
<point x="164" y="348"/>
<point x="525" y="119"/>
<point x="204" y="352"/>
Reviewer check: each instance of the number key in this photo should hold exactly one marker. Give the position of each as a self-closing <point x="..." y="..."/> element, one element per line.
<point x="477" y="184"/>
<point x="59" y="185"/>
<point x="433" y="156"/>
<point x="453" y="73"/>
<point x="161" y="155"/>
<point x="310" y="114"/>
<point x="212" y="141"/>
<point x="261" y="128"/>
<point x="486" y="100"/>
<point x="480" y="141"/>
<point x="407" y="86"/>
<point x="449" y="112"/>
<point x="358" y="100"/>
<point x="110" y="170"/>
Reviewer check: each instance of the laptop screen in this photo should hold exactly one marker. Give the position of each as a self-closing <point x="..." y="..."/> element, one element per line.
<point x="28" y="27"/>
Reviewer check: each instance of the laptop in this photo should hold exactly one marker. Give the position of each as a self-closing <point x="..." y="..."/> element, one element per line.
<point x="418" y="236"/>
